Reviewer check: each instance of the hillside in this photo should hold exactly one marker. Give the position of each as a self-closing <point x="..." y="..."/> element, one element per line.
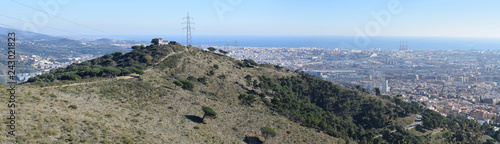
<point x="155" y="94"/>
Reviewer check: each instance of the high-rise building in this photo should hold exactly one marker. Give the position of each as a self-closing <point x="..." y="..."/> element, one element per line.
<point x="385" y="86"/>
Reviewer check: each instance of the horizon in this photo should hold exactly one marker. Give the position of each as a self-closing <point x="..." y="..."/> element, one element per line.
<point x="342" y="42"/>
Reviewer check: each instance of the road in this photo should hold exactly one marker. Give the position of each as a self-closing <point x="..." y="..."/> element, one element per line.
<point x="417" y="122"/>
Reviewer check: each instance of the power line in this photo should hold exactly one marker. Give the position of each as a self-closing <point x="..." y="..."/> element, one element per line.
<point x="42" y="26"/>
<point x="62" y="18"/>
<point x="12" y="27"/>
<point x="188" y="29"/>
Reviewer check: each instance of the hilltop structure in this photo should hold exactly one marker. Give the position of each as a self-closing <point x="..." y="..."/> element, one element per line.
<point x="159" y="41"/>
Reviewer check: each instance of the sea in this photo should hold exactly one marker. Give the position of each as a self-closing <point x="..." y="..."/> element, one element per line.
<point x="344" y="42"/>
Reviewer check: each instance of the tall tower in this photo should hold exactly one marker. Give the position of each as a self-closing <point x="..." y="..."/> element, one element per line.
<point x="403" y="45"/>
<point x="406" y="48"/>
<point x="385" y="86"/>
<point x="400" y="45"/>
<point x="188" y="29"/>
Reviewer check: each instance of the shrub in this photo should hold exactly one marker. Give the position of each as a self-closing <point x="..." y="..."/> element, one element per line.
<point x="262" y="95"/>
<point x="212" y="49"/>
<point x="249" y="63"/>
<point x="186" y="84"/>
<point x="267" y="132"/>
<point x="203" y="80"/>
<point x="211" y="72"/>
<point x="73" y="106"/>
<point x="246" y="99"/>
<point x="223" y="52"/>
<point x="191" y="78"/>
<point x="216" y="66"/>
<point x="240" y="64"/>
<point x="177" y="83"/>
<point x="222" y="76"/>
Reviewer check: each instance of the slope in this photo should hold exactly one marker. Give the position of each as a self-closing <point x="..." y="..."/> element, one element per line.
<point x="150" y="108"/>
<point x="161" y="102"/>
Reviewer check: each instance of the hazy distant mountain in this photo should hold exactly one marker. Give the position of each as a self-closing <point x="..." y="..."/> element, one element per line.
<point x="29" y="43"/>
<point x="25" y="35"/>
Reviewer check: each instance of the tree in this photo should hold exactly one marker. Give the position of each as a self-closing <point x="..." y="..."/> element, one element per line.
<point x="267" y="132"/>
<point x="209" y="112"/>
<point x="70" y="76"/>
<point x="125" y="71"/>
<point x="111" y="70"/>
<point x="177" y="83"/>
<point x="108" y="62"/>
<point x="117" y="54"/>
<point x="248" y="78"/>
<point x="155" y="41"/>
<point x="216" y="66"/>
<point x="138" y="71"/>
<point x="147" y="58"/>
<point x="94" y="72"/>
<point x="377" y="91"/>
<point x="136" y="47"/>
<point x="249" y="63"/>
<point x="223" y="52"/>
<point x="322" y="125"/>
<point x="212" y="49"/>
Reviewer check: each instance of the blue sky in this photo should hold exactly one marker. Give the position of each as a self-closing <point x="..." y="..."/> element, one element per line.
<point x="444" y="18"/>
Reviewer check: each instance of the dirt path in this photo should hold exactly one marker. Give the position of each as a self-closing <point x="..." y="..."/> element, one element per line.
<point x="185" y="50"/>
<point x="75" y="84"/>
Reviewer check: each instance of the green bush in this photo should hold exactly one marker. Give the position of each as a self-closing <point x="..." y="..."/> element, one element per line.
<point x="212" y="49"/>
<point x="268" y="132"/>
<point x="191" y="78"/>
<point x="203" y="80"/>
<point x="111" y="70"/>
<point x="246" y="99"/>
<point x="249" y="63"/>
<point x="73" y="106"/>
<point x="178" y="83"/>
<point x="209" y="112"/>
<point x="223" y="52"/>
<point x="211" y="72"/>
<point x="70" y="76"/>
<point x="186" y="84"/>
